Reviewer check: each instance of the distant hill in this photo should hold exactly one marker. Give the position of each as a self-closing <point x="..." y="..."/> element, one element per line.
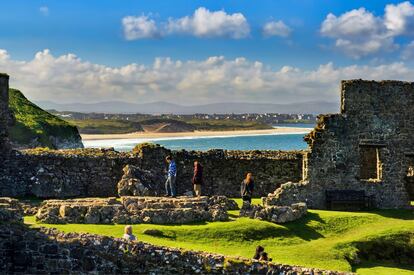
<point x="35" y="127"/>
<point x="315" y="107"/>
<point x="166" y="126"/>
<point x="103" y="126"/>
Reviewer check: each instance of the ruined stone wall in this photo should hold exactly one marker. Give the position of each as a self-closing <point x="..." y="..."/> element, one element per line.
<point x="368" y="146"/>
<point x="4" y="114"/>
<point x="224" y="170"/>
<point x="95" y="172"/>
<point x="37" y="251"/>
<point x="45" y="173"/>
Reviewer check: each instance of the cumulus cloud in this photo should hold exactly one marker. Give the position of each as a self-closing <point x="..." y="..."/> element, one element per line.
<point x="203" y="23"/>
<point x="139" y="27"/>
<point x="399" y="19"/>
<point x="359" y="32"/>
<point x="67" y="78"/>
<point x="276" y="28"/>
<point x="44" y="10"/>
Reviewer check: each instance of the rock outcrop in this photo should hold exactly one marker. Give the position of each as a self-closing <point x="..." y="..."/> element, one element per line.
<point x="35" y="127"/>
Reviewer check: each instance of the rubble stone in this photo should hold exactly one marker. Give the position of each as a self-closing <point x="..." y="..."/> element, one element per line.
<point x="45" y="251"/>
<point x="156" y="210"/>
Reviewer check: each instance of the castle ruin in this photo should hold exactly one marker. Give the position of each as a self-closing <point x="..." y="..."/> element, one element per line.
<point x="368" y="146"/>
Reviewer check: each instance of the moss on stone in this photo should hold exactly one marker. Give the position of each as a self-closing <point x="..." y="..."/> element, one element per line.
<point x="139" y="148"/>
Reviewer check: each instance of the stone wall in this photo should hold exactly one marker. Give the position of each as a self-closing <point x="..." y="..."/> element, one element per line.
<point x="135" y="210"/>
<point x="368" y="146"/>
<point x="61" y="174"/>
<point x="95" y="173"/>
<point x="4" y="114"/>
<point x="224" y="170"/>
<point x="35" y="251"/>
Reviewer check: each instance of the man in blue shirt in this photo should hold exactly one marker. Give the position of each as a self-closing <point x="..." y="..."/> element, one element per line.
<point x="170" y="189"/>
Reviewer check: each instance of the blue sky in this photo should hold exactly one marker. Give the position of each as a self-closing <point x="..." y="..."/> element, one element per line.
<point x="300" y="39"/>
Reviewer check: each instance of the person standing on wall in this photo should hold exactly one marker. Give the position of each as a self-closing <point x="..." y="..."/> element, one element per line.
<point x="170" y="188"/>
<point x="247" y="187"/>
<point x="197" y="178"/>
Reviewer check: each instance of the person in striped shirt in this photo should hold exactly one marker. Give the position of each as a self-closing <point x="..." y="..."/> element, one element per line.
<point x="170" y="188"/>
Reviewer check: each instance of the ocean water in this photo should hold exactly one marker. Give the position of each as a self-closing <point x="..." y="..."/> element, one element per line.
<point x="247" y="142"/>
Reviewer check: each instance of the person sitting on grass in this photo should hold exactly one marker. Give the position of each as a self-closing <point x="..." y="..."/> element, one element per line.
<point x="264" y="257"/>
<point x="128" y="234"/>
<point x="259" y="250"/>
<point x="247" y="187"/>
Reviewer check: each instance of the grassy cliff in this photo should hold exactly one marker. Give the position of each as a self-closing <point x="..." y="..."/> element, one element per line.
<point x="35" y="127"/>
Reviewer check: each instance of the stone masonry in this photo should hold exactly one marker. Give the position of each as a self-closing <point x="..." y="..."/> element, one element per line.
<point x="96" y="172"/>
<point x="368" y="146"/>
<point x="134" y="210"/>
<point x="5" y="117"/>
<point x="47" y="251"/>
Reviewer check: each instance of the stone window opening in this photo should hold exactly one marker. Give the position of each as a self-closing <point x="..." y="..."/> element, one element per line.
<point x="305" y="167"/>
<point x="370" y="163"/>
<point x="410" y="172"/>
<point x="409" y="180"/>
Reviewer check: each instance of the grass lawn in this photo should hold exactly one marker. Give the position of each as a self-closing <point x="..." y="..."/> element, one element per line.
<point x="321" y="239"/>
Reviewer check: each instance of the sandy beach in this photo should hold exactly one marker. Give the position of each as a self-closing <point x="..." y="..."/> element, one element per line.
<point x="278" y="130"/>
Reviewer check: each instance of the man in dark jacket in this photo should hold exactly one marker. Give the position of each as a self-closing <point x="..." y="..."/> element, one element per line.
<point x="197" y="178"/>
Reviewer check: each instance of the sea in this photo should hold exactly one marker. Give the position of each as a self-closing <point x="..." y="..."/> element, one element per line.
<point x="279" y="141"/>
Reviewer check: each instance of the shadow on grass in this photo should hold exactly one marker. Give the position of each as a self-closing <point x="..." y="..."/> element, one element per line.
<point x="301" y="229"/>
<point x="402" y="214"/>
<point x="158" y="234"/>
<point x="366" y="264"/>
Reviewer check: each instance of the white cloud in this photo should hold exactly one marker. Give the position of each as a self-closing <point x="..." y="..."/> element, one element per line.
<point x="67" y="78"/>
<point x="44" y="10"/>
<point x="203" y="23"/>
<point x="359" y="32"/>
<point x="399" y="19"/>
<point x="139" y="27"/>
<point x="276" y="28"/>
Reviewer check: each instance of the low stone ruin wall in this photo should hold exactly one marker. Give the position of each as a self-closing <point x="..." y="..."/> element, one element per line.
<point x="274" y="212"/>
<point x="62" y="174"/>
<point x="34" y="251"/>
<point x="133" y="210"/>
